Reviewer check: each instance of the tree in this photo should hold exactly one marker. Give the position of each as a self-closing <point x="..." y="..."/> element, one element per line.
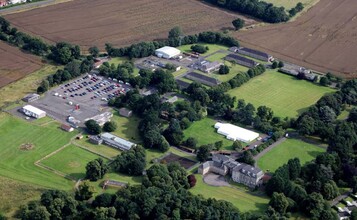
<point x="313" y="205"/>
<point x="109" y="126"/>
<point x="274" y="65"/>
<point x="96" y="169"/>
<point x="34" y="212"/>
<point x="281" y="64"/>
<point x="218" y="145"/>
<point x="224" y="69"/>
<point x="191" y="142"/>
<point x="85" y="191"/>
<point x="238" y="23"/>
<point x="93" y="127"/>
<point x="94" y="51"/>
<point x="354" y="214"/>
<point x="306" y="126"/>
<point x="131" y="162"/>
<point x="237" y="145"/>
<point x="279" y="202"/>
<point x="330" y="190"/>
<point x="324" y="81"/>
<point x="294" y="168"/>
<point x="192" y="180"/>
<point x="173" y="133"/>
<point x="175" y="32"/>
<point x="199" y="48"/>
<point x="203" y="153"/>
<point x="352" y="117"/>
<point x="265" y="113"/>
<point x="247" y="158"/>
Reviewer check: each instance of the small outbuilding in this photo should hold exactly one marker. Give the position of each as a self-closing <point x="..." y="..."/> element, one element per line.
<point x="167" y="52"/>
<point x="31" y="97"/>
<point x="67" y="128"/>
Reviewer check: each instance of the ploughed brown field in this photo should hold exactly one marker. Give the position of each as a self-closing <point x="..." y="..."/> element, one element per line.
<point x="324" y="38"/>
<point x="120" y="22"/>
<point x="15" y="64"/>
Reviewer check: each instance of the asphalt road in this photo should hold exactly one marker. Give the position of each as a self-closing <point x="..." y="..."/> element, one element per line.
<point x="27" y="6"/>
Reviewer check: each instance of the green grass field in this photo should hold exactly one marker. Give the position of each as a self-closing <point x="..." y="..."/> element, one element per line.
<point x="289" y="149"/>
<point x="241" y="198"/>
<point x="18" y="164"/>
<point x="14" y="193"/>
<point x="71" y="160"/>
<point x="17" y="90"/>
<point x="212" y="48"/>
<point x="104" y="150"/>
<point x="127" y="127"/>
<point x="286" y="95"/>
<point x="205" y="133"/>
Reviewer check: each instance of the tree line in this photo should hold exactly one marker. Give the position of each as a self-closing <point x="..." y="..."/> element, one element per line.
<point x="163" y="195"/>
<point x="176" y="38"/>
<point x="256" y="8"/>
<point x="61" y="53"/>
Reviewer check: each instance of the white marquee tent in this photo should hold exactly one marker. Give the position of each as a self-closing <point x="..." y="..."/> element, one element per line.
<point x="233" y="132"/>
<point x="167" y="52"/>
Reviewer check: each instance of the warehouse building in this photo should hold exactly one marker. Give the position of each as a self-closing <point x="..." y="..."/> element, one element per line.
<point x="167" y="52"/>
<point x="235" y="133"/>
<point x="116" y="142"/>
<point x="32" y="111"/>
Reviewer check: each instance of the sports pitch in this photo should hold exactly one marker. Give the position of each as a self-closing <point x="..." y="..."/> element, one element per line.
<point x="71" y="160"/>
<point x="17" y="163"/>
<point x="286" y="95"/>
<point x="289" y="149"/>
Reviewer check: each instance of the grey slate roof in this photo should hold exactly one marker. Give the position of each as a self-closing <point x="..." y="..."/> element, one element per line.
<point x="257" y="52"/>
<point x="241" y="58"/>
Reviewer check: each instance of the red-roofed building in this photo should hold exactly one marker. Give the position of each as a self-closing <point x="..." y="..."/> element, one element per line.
<point x="67" y="128"/>
<point x="3" y="3"/>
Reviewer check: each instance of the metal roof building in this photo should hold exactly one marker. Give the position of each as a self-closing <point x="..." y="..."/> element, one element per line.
<point x="233" y="132"/>
<point x="32" y="111"/>
<point x="167" y="52"/>
<point x="116" y="142"/>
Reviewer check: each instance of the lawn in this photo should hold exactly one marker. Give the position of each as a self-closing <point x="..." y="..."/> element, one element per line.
<point x="180" y="72"/>
<point x="286" y="95"/>
<point x="127" y="127"/>
<point x="18" y="163"/>
<point x="14" y="193"/>
<point x="289" y="149"/>
<point x="212" y="48"/>
<point x="71" y="160"/>
<point x="205" y="133"/>
<point x="241" y="198"/>
<point x="103" y="150"/>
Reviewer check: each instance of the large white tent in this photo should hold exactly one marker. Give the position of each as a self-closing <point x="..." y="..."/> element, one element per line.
<point x="167" y="52"/>
<point x="233" y="132"/>
<point x="32" y="111"/>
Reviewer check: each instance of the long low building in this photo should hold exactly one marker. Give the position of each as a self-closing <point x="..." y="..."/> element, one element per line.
<point x="116" y="142"/>
<point x="32" y="111"/>
<point x="233" y="132"/>
<point x="255" y="54"/>
<point x="167" y="52"/>
<point x="241" y="60"/>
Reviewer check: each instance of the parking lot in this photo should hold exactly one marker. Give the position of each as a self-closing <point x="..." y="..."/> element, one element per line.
<point x="82" y="98"/>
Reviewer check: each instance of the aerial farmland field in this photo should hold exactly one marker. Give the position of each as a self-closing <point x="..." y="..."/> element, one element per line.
<point x="120" y="22"/>
<point x="286" y="95"/>
<point x="15" y="64"/>
<point x="322" y="39"/>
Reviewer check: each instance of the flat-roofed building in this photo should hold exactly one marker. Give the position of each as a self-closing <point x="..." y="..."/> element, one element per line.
<point x="116" y="142"/>
<point x="31" y="97"/>
<point x="32" y="111"/>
